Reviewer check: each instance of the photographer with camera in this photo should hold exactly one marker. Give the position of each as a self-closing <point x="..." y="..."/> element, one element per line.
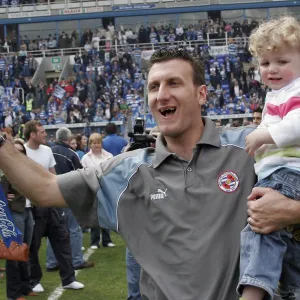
<point x="140" y="139"/>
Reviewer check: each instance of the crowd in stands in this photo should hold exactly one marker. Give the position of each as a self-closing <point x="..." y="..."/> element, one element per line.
<point x="113" y="91"/>
<point x="153" y="34"/>
<point x="109" y="86"/>
<point x="159" y="34"/>
<point x="100" y="91"/>
<point x="15" y="74"/>
<point x="232" y="89"/>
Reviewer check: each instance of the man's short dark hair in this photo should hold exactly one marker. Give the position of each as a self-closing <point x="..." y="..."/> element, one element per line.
<point x="111" y="128"/>
<point x="168" y="53"/>
<point x="257" y="110"/>
<point x="31" y="126"/>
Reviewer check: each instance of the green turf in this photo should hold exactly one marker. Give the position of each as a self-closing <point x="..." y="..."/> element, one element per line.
<point x="107" y="280"/>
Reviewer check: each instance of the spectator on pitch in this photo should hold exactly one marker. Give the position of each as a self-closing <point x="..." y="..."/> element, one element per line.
<point x="67" y="160"/>
<point x="113" y="143"/>
<point x="50" y="222"/>
<point x="93" y="159"/>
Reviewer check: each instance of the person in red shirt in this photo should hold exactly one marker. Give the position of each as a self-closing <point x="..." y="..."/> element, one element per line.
<point x="69" y="88"/>
<point x="49" y="90"/>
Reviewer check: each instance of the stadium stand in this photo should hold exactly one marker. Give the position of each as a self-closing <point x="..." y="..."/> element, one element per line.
<point x="108" y="85"/>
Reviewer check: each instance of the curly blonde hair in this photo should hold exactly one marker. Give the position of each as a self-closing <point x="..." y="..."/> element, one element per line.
<point x="272" y="35"/>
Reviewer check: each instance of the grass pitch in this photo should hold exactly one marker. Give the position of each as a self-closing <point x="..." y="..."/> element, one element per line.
<point x="106" y="281"/>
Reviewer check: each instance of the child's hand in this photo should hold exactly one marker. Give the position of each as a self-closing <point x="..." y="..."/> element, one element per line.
<point x="256" y="139"/>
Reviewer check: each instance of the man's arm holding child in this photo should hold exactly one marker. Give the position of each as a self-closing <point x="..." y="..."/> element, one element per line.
<point x="271" y="211"/>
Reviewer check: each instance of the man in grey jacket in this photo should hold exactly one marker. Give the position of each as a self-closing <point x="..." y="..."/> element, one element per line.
<point x="180" y="207"/>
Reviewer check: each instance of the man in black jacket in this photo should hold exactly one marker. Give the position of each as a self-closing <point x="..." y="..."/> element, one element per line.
<point x="67" y="160"/>
<point x="143" y="35"/>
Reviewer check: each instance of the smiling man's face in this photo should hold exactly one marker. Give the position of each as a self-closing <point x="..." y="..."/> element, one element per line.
<point x="175" y="101"/>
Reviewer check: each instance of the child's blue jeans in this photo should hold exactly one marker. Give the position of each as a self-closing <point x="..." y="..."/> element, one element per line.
<point x="268" y="259"/>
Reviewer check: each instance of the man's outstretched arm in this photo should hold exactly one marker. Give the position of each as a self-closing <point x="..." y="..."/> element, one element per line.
<point x="31" y="179"/>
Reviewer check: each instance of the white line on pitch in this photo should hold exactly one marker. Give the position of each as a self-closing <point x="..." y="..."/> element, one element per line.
<point x="57" y="293"/>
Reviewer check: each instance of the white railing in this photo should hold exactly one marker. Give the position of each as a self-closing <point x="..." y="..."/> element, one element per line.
<point x="228" y="117"/>
<point x="122" y="48"/>
<point x="81" y="125"/>
<point x="120" y="123"/>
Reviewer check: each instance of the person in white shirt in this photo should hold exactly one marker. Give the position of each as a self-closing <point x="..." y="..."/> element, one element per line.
<point x="87" y="46"/>
<point x="122" y="38"/>
<point x="52" y="43"/>
<point x="93" y="159"/>
<point x="50" y="222"/>
<point x="8" y="118"/>
<point x="128" y="34"/>
<point x="179" y="32"/>
<point x="108" y="35"/>
<point x="111" y="27"/>
<point x="95" y="42"/>
<point x="107" y="113"/>
<point x="90" y="67"/>
<point x="75" y="99"/>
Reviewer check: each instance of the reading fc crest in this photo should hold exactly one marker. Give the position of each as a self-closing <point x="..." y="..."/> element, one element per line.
<point x="228" y="181"/>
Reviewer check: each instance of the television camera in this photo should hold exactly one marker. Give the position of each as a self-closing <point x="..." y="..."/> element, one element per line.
<point x="140" y="138"/>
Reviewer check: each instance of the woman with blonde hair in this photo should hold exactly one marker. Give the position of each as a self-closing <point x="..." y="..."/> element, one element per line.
<point x="97" y="154"/>
<point x="93" y="159"/>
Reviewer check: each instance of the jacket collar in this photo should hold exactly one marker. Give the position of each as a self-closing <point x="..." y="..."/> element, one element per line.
<point x="210" y="137"/>
<point x="63" y="144"/>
